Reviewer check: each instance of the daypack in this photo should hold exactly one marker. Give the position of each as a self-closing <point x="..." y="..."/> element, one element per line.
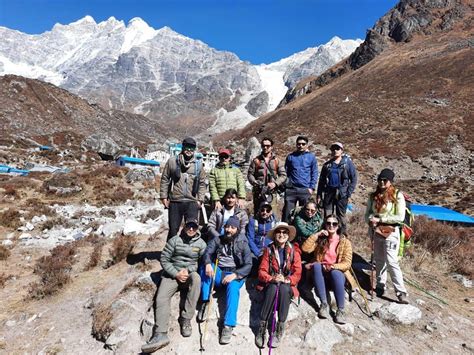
<point x="406" y="227"/>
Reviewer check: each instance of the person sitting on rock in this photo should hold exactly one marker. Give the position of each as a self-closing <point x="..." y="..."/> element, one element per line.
<point x="331" y="266"/>
<point x="257" y="232"/>
<point x="219" y="216"/>
<point x="307" y="221"/>
<point x="179" y="260"/>
<point x="279" y="271"/>
<point x="234" y="262"/>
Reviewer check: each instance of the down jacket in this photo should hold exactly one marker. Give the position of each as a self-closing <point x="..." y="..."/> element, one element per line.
<point x="224" y="177"/>
<point x="292" y="270"/>
<point x="343" y="256"/>
<point x="216" y="221"/>
<point x="181" y="252"/>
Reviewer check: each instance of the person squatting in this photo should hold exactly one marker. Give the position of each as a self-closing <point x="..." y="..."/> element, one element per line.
<point x="309" y="245"/>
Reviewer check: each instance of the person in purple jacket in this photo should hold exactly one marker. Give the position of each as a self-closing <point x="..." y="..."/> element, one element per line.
<point x="302" y="175"/>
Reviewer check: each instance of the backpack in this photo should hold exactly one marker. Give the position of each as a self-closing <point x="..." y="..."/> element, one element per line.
<point x="176" y="175"/>
<point x="406" y="227"/>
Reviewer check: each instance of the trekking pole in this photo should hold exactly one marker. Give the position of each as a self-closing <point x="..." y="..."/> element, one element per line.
<point x="204" y="213"/>
<point x="204" y="333"/>
<point x="372" y="263"/>
<point x="362" y="293"/>
<point x="273" y="320"/>
<point x="418" y="287"/>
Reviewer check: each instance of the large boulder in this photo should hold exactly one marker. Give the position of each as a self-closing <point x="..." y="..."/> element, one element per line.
<point x="399" y="313"/>
<point x="322" y="336"/>
<point x="101" y="144"/>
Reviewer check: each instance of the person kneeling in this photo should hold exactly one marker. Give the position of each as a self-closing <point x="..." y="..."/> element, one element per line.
<point x="279" y="272"/>
<point x="179" y="260"/>
<point x="234" y="262"/>
<point x="333" y="259"/>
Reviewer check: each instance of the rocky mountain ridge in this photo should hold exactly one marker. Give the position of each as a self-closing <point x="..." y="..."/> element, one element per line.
<point x="170" y="78"/>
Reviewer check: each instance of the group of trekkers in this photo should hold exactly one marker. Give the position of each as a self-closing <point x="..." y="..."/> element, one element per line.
<point x="233" y="247"/>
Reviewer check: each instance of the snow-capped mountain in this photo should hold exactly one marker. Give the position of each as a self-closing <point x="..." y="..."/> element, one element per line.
<point x="160" y="73"/>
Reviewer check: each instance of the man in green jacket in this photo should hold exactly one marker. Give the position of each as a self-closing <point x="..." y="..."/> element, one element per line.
<point x="224" y="176"/>
<point x="179" y="260"/>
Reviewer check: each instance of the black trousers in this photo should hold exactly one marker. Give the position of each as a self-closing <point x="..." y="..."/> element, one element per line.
<point x="284" y="299"/>
<point x="333" y="204"/>
<point x="293" y="195"/>
<point x="176" y="212"/>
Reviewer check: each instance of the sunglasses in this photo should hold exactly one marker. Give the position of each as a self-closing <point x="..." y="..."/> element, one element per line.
<point x="384" y="181"/>
<point x="309" y="210"/>
<point x="192" y="226"/>
<point x="333" y="224"/>
<point x="336" y="148"/>
<point x="189" y="147"/>
<point x="267" y="210"/>
<point x="224" y="156"/>
<point x="266" y="145"/>
<point x="301" y="143"/>
<point x="281" y="231"/>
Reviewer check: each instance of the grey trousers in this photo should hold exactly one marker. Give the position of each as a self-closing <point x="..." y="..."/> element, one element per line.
<point x="386" y="259"/>
<point x="168" y="288"/>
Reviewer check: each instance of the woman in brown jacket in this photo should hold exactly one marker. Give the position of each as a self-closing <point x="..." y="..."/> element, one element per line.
<point x="333" y="259"/>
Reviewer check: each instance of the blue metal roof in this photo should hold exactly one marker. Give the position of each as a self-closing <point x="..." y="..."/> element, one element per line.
<point x="125" y="159"/>
<point x="441" y="213"/>
<point x="4" y="169"/>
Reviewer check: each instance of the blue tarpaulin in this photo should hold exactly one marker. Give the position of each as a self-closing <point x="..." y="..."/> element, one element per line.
<point x="124" y="160"/>
<point x="440" y="213"/>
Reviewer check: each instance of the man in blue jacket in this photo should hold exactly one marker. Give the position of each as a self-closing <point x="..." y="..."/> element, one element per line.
<point x="302" y="172"/>
<point x="234" y="264"/>
<point x="337" y="183"/>
<point x="257" y="231"/>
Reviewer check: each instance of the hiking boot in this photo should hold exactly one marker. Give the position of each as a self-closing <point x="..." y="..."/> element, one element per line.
<point x="185" y="327"/>
<point x="202" y="312"/>
<point x="379" y="291"/>
<point x="280" y="329"/>
<point x="340" y="318"/>
<point x="260" y="336"/>
<point x="323" y="311"/>
<point x="226" y="335"/>
<point x="402" y="298"/>
<point x="158" y="341"/>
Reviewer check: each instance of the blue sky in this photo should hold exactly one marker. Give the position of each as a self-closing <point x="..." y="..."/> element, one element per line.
<point x="260" y="31"/>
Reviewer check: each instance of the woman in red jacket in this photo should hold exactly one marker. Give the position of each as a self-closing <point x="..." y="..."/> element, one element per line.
<point x="280" y="269"/>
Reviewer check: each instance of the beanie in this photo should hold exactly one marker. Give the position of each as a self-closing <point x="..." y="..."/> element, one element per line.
<point x="189" y="141"/>
<point x="386" y="174"/>
<point x="233" y="221"/>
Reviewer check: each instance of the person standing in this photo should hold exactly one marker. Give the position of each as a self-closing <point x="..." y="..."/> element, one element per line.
<point x="337" y="182"/>
<point x="266" y="174"/>
<point x="224" y="176"/>
<point x="385" y="213"/>
<point x="302" y="171"/>
<point x="279" y="272"/>
<point x="179" y="260"/>
<point x="234" y="262"/>
<point x="182" y="186"/>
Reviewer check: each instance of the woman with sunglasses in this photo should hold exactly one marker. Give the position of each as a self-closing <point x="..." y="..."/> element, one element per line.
<point x="331" y="266"/>
<point x="279" y="274"/>
<point x="384" y="214"/>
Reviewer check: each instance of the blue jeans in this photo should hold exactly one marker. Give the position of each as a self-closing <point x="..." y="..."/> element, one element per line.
<point x="232" y="293"/>
<point x="337" y="279"/>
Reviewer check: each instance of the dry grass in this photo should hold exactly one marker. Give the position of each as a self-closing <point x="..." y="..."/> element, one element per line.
<point x="121" y="247"/>
<point x="4" y="252"/>
<point x="151" y="214"/>
<point x="4" y="278"/>
<point x="95" y="256"/>
<point x="10" y="191"/>
<point x="455" y="244"/>
<point x="102" y="322"/>
<point x="116" y="197"/>
<point x="56" y="221"/>
<point x="10" y="218"/>
<point x="53" y="270"/>
<point x="38" y="208"/>
<point x="68" y="181"/>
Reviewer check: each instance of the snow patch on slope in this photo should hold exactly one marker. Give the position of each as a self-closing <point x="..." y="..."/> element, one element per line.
<point x="273" y="84"/>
